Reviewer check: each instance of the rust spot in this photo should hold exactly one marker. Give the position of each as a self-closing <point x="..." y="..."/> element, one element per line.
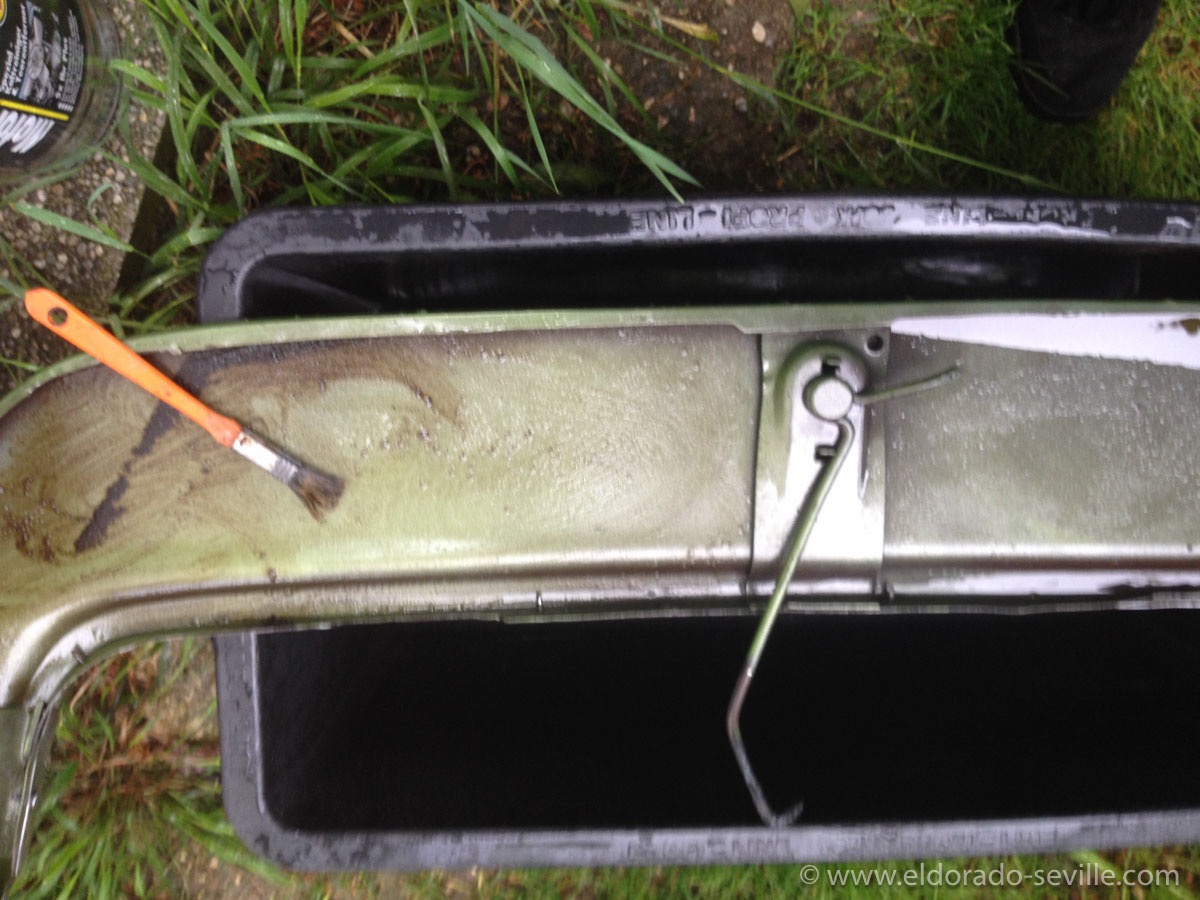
<point x="33" y="521"/>
<point x="27" y="538"/>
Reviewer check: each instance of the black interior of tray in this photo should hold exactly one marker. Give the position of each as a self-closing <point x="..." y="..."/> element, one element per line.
<point x="705" y="274"/>
<point x="621" y="724"/>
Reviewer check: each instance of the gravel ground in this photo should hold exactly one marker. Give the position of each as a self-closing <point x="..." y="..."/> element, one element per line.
<point x="100" y="192"/>
<point x="708" y="123"/>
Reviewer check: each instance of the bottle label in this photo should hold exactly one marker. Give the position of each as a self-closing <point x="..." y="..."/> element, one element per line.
<point x="42" y="55"/>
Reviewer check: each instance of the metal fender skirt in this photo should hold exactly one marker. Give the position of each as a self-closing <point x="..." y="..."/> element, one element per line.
<point x="590" y="450"/>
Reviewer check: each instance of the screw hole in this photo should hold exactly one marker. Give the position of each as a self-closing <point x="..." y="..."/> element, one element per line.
<point x="875" y="344"/>
<point x="58" y="316"/>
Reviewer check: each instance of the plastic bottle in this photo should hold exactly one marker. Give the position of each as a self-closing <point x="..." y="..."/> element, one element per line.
<point x="58" y="96"/>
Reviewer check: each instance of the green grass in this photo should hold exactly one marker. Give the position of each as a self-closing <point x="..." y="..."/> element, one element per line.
<point x="122" y="797"/>
<point x="825" y="880"/>
<point x="132" y="807"/>
<point x="272" y="102"/>
<point x="937" y="72"/>
<point x="276" y="102"/>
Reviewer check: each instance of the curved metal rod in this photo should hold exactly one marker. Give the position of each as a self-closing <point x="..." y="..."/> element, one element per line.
<point x="913" y="387"/>
<point x="806" y="518"/>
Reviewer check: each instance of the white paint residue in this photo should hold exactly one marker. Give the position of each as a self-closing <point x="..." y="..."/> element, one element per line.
<point x="1162" y="340"/>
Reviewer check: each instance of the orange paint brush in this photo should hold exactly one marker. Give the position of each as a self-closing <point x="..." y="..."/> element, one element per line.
<point x="319" y="491"/>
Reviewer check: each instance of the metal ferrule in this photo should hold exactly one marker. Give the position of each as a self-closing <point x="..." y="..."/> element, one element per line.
<point x="266" y="457"/>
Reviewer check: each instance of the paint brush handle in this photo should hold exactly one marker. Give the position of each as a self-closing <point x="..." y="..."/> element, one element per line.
<point x="49" y="309"/>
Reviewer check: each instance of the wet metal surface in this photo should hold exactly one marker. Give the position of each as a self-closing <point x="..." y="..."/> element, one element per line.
<point x="613" y="457"/>
<point x="1040" y="461"/>
<point x="463" y="454"/>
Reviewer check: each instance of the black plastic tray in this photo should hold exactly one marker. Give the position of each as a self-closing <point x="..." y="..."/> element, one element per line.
<point x="459" y="744"/>
<point x="342" y="261"/>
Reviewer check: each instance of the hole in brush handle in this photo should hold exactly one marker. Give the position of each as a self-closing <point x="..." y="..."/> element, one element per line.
<point x="57" y="316"/>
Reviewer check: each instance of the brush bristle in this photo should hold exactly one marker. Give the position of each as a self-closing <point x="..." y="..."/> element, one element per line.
<point x="319" y="491"/>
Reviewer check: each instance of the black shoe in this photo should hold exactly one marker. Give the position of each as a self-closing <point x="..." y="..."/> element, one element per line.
<point x="1072" y="55"/>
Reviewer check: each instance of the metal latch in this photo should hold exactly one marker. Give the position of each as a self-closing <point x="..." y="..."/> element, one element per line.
<point x="832" y="380"/>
